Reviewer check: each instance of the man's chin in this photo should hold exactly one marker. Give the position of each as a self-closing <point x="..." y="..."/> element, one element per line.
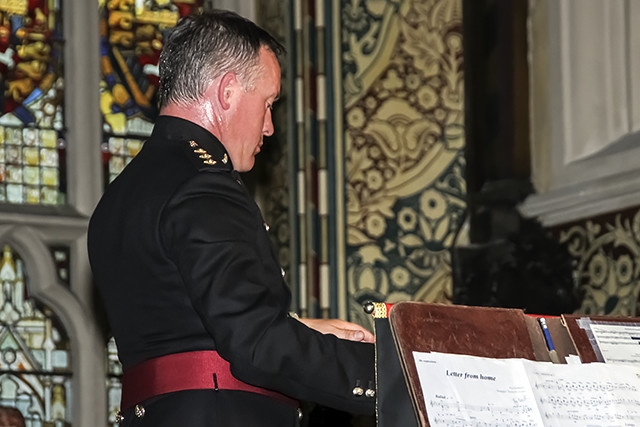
<point x="248" y="166"/>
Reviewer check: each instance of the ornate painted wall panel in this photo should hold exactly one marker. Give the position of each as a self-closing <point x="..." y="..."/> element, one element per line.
<point x="32" y="143"/>
<point x="309" y="157"/>
<point x="606" y="253"/>
<point x="402" y="73"/>
<point x="309" y="162"/>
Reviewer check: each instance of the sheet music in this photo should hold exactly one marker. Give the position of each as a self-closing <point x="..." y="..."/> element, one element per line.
<point x="482" y="392"/>
<point x="618" y="342"/>
<point x="591" y="394"/>
<point x="472" y="391"/>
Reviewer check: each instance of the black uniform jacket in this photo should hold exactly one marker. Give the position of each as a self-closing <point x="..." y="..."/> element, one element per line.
<point x="183" y="262"/>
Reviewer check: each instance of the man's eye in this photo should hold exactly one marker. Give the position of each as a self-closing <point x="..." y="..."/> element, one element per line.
<point x="270" y="107"/>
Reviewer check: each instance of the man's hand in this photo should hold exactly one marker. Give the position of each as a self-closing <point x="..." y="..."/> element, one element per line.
<point x="341" y="329"/>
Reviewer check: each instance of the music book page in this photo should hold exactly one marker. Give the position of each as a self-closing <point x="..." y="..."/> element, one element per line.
<point x="618" y="342"/>
<point x="471" y="391"/>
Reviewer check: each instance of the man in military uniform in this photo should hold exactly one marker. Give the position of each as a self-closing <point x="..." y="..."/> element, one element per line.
<point x="191" y="284"/>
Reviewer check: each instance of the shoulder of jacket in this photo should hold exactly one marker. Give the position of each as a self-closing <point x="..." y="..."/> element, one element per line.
<point x="203" y="160"/>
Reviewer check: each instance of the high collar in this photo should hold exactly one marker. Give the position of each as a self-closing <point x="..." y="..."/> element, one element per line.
<point x="176" y="128"/>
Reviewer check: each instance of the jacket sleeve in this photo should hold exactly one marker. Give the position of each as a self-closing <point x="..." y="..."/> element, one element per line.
<point x="213" y="231"/>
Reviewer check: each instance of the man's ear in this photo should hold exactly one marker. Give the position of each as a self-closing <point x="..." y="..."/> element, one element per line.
<point x="227" y="85"/>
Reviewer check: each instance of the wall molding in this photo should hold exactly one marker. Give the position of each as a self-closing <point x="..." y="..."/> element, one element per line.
<point x="585" y="108"/>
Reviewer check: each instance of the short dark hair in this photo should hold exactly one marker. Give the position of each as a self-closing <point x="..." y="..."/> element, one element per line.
<point x="206" y="45"/>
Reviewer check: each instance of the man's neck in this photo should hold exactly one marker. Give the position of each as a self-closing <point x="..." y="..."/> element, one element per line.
<point x="194" y="113"/>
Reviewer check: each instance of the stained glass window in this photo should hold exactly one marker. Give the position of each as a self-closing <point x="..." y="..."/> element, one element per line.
<point x="131" y="35"/>
<point x="32" y="141"/>
<point x="35" y="373"/>
<point x="114" y="386"/>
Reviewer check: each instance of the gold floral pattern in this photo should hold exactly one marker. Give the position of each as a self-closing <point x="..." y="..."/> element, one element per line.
<point x="403" y="91"/>
<point x="606" y="251"/>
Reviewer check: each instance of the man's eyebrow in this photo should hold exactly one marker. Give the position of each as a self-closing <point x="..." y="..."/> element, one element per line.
<point x="277" y="97"/>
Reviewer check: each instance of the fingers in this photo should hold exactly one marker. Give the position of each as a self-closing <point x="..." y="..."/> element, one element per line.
<point x="355" y="332"/>
<point x="341" y="329"/>
<point x="368" y="337"/>
<point x="360" y="335"/>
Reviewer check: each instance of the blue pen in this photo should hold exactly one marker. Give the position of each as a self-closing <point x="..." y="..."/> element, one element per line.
<point x="547" y="337"/>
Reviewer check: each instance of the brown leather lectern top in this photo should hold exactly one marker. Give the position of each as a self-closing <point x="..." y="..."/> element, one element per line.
<point x="481" y="331"/>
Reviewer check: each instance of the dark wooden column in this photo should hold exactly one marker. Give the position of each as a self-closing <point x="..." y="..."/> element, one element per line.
<point x="511" y="261"/>
<point x="496" y="109"/>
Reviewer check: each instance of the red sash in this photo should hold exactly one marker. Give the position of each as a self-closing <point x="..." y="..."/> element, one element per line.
<point x="193" y="370"/>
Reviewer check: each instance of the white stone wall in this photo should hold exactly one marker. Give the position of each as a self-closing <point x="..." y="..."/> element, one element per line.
<point x="584" y="61"/>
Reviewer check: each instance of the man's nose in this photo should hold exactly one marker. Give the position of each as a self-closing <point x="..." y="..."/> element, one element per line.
<point x="268" y="128"/>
